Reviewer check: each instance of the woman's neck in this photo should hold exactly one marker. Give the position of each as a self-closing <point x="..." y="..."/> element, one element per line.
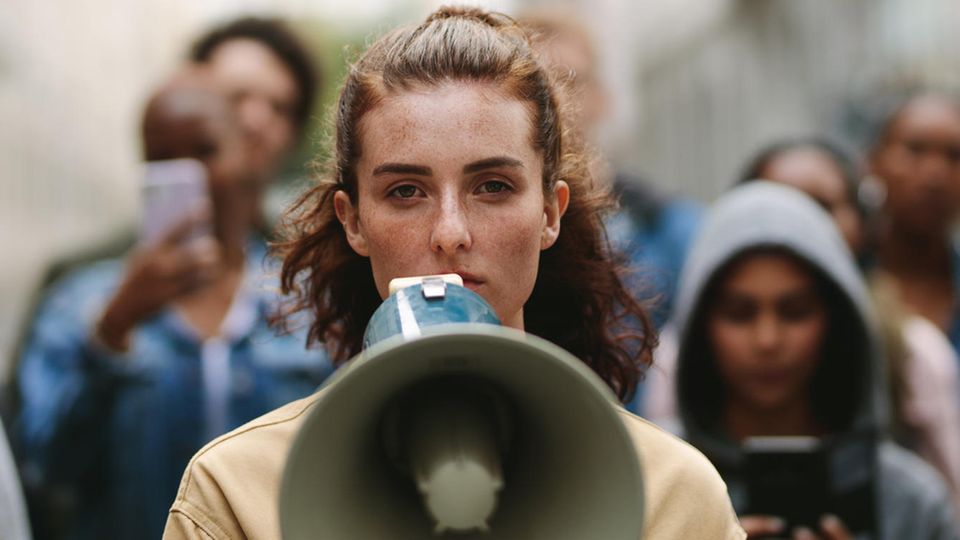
<point x="741" y="420"/>
<point x="206" y="308"/>
<point x="516" y="321"/>
<point x="234" y="255"/>
<point x="232" y="237"/>
<point x="234" y="218"/>
<point x="905" y="254"/>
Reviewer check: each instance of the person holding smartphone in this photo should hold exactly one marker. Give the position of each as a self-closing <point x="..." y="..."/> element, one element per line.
<point x="921" y="363"/>
<point x="133" y="364"/>
<point x="779" y="378"/>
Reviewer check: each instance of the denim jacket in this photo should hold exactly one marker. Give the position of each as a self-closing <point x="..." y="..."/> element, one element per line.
<point x="109" y="435"/>
<point x="653" y="233"/>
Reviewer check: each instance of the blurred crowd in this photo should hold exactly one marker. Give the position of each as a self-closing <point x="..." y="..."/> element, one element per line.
<point x="818" y="297"/>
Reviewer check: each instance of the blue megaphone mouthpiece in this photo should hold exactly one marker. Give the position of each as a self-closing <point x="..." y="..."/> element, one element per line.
<point x="429" y="301"/>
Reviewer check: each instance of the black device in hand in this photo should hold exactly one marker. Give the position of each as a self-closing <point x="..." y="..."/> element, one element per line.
<point x="801" y="479"/>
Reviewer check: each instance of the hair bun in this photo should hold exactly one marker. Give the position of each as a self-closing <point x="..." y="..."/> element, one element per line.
<point x="490" y="18"/>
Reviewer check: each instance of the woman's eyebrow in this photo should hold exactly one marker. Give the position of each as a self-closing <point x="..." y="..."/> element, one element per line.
<point x="800" y="293"/>
<point x="402" y="168"/>
<point x="491" y="163"/>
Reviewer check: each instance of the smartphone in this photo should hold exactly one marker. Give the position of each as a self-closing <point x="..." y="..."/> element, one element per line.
<point x="800" y="479"/>
<point x="787" y="477"/>
<point x="171" y="191"/>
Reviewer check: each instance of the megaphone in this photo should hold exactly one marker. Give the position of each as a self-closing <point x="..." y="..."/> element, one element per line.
<point x="450" y="425"/>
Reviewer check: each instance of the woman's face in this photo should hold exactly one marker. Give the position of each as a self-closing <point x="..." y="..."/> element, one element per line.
<point x="919" y="162"/>
<point x="449" y="182"/>
<point x="813" y="171"/>
<point x="264" y="93"/>
<point x="766" y="325"/>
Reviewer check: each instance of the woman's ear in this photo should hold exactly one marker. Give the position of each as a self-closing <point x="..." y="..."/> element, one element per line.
<point x="350" y="219"/>
<point x="555" y="206"/>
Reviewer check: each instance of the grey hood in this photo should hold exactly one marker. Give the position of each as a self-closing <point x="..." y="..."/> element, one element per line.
<point x="760" y="215"/>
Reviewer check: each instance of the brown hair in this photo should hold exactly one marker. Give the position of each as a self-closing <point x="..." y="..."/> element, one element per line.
<point x="578" y="300"/>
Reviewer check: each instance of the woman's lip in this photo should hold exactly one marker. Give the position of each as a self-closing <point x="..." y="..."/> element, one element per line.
<point x="772" y="377"/>
<point x="472" y="284"/>
<point x="470" y="281"/>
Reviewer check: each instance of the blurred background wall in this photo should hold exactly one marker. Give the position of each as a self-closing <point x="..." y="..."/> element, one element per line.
<point x="697" y="85"/>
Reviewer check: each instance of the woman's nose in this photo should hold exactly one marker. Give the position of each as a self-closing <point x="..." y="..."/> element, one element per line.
<point x="254" y="113"/>
<point x="451" y="231"/>
<point x="767" y="332"/>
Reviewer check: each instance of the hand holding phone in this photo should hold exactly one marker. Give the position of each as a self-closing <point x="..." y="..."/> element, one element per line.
<point x="786" y="477"/>
<point x="157" y="274"/>
<point x="176" y="253"/>
<point x="798" y="485"/>
<point x="760" y="527"/>
<point x="173" y="191"/>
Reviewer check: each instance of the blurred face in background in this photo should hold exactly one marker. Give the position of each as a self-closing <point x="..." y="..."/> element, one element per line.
<point x="918" y="160"/>
<point x="264" y="94"/>
<point x="568" y="51"/>
<point x="814" y="172"/>
<point x="192" y="119"/>
<point x="195" y="122"/>
<point x="766" y="324"/>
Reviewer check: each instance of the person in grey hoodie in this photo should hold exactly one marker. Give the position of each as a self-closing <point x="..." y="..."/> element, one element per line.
<point x="777" y="338"/>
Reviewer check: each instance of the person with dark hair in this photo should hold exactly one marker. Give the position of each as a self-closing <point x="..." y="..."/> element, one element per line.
<point x="916" y="158"/>
<point x="270" y="79"/>
<point x="132" y="365"/>
<point x="822" y="169"/>
<point x="777" y="339"/>
<point x="452" y="154"/>
<point x="921" y="365"/>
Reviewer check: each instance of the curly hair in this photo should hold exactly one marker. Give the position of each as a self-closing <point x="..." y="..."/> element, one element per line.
<point x="578" y="302"/>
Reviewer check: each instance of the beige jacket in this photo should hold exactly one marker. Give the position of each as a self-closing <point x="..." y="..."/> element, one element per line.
<point x="231" y="487"/>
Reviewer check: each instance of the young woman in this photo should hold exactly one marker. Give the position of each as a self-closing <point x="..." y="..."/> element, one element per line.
<point x="776" y="339"/>
<point x="922" y="367"/>
<point x="451" y="156"/>
<point x="916" y="158"/>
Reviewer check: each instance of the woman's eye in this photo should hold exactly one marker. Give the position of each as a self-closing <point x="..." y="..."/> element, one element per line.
<point x="798" y="310"/>
<point x="494" y="186"/>
<point x="404" y="192"/>
<point x="915" y="148"/>
<point x="736" y="312"/>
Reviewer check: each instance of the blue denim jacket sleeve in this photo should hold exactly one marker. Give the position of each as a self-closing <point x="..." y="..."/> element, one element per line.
<point x="66" y="381"/>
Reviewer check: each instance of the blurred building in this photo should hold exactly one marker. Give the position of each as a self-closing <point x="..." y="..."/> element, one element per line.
<point x="697" y="86"/>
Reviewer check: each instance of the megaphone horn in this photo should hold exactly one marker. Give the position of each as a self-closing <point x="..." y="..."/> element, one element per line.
<point x="449" y="436"/>
<point x="448" y="424"/>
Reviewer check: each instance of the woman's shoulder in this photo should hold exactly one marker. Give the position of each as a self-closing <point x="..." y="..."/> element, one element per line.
<point x="685" y="496"/>
<point x="668" y="455"/>
<point x="230" y="487"/>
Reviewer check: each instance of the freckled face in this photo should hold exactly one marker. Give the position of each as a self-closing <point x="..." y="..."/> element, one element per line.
<point x="449" y="182"/>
